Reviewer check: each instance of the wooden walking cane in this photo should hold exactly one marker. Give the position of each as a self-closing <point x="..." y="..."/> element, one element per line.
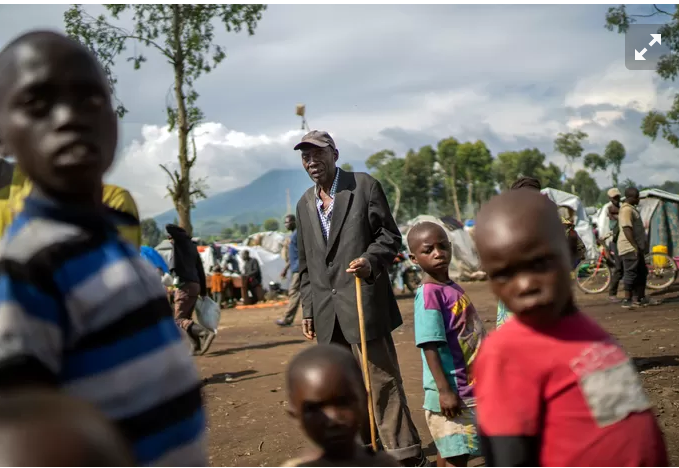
<point x="364" y="356"/>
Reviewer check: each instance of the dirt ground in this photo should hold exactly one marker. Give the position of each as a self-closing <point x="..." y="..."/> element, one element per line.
<point x="248" y="423"/>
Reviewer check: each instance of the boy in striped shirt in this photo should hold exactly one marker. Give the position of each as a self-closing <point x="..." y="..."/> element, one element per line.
<point x="80" y="310"/>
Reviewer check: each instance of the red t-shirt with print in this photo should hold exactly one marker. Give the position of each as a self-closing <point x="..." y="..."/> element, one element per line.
<point x="574" y="387"/>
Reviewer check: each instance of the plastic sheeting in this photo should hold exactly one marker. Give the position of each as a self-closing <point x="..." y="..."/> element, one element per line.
<point x="582" y="224"/>
<point x="271" y="264"/>
<point x="270" y="240"/>
<point x="465" y="264"/>
<point x="154" y="258"/>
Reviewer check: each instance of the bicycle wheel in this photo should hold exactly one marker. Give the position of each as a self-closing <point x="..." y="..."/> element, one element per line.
<point x="662" y="271"/>
<point x="593" y="276"/>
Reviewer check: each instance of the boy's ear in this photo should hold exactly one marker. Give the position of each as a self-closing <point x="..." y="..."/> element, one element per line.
<point x="413" y="259"/>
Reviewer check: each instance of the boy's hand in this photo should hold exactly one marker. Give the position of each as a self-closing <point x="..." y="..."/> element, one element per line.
<point x="451" y="406"/>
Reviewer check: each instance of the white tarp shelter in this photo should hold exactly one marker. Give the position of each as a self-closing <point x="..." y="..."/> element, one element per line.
<point x="465" y="264"/>
<point x="271" y="264"/>
<point x="269" y="240"/>
<point x="583" y="225"/>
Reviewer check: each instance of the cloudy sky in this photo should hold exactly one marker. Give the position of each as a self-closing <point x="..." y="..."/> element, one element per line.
<point x="388" y="76"/>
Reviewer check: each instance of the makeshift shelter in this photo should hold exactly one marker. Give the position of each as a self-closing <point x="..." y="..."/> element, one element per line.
<point x="270" y="240"/>
<point x="465" y="264"/>
<point x="154" y="258"/>
<point x="271" y="264"/>
<point x="577" y="214"/>
<point x="165" y="249"/>
<point x="659" y="211"/>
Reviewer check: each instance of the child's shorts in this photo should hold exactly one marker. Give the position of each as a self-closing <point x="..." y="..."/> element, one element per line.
<point x="454" y="437"/>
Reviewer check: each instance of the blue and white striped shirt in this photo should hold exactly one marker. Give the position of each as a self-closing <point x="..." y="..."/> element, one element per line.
<point x="79" y="303"/>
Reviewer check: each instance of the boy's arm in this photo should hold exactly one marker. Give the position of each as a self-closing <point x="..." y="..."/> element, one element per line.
<point x="509" y="409"/>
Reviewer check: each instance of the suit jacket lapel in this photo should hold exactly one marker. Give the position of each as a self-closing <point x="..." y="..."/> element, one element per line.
<point x="339" y="208"/>
<point x="313" y="218"/>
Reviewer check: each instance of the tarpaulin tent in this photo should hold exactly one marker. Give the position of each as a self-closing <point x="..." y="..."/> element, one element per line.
<point x="154" y="258"/>
<point x="271" y="264"/>
<point x="659" y="211"/>
<point x="166" y="250"/>
<point x="582" y="223"/>
<point x="465" y="264"/>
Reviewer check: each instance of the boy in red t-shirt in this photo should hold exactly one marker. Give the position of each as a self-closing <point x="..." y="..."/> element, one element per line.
<point x="553" y="388"/>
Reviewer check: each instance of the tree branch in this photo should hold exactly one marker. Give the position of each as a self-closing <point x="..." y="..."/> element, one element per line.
<point x="172" y="178"/>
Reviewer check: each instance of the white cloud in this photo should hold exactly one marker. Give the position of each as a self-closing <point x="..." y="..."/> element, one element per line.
<point x="398" y="76"/>
<point x="227" y="158"/>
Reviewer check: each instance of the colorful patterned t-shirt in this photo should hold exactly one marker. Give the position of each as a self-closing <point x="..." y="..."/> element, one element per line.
<point x="445" y="315"/>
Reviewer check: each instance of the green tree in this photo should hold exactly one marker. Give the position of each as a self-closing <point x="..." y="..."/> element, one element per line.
<point x="150" y="233"/>
<point x="388" y="169"/>
<point x="614" y="154"/>
<point x="476" y="161"/>
<point x="227" y="233"/>
<point x="347" y="167"/>
<point x="182" y="34"/>
<point x="585" y="187"/>
<point x="243" y="229"/>
<point x="570" y="145"/>
<point x="271" y="224"/>
<point x="418" y="178"/>
<point x="655" y="122"/>
<point x="448" y="167"/>
<point x="510" y="165"/>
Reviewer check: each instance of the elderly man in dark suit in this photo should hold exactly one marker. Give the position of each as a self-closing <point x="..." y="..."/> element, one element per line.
<point x="345" y="228"/>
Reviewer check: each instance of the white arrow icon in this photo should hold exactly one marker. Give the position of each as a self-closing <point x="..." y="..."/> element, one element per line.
<point x="639" y="55"/>
<point x="656" y="38"/>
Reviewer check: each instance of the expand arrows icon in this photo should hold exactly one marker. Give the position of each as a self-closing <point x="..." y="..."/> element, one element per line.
<point x="640" y="55"/>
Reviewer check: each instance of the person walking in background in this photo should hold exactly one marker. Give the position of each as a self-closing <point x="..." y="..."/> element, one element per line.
<point x="632" y="248"/>
<point x="291" y="265"/>
<point x="217" y="284"/>
<point x="252" y="274"/>
<point x="613" y="212"/>
<point x="187" y="267"/>
<point x="345" y="230"/>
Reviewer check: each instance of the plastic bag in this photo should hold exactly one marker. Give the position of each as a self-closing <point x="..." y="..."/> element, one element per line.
<point x="167" y="280"/>
<point x="208" y="313"/>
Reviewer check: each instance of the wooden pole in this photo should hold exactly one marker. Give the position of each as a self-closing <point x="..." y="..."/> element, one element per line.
<point x="364" y="358"/>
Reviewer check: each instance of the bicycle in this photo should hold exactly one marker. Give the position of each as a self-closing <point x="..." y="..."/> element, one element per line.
<point x="594" y="276"/>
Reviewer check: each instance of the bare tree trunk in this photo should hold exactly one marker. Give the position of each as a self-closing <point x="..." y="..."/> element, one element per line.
<point x="397" y="201"/>
<point x="470" y="195"/>
<point x="182" y="192"/>
<point x="453" y="186"/>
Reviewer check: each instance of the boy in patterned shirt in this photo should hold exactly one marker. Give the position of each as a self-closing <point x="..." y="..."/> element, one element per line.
<point x="449" y="332"/>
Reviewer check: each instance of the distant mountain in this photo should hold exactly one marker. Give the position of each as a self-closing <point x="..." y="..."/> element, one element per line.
<point x="263" y="198"/>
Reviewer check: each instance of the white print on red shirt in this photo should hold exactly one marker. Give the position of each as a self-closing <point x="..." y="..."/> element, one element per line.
<point x="610" y="383"/>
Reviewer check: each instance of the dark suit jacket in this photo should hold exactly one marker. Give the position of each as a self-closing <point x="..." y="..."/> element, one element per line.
<point x="361" y="226"/>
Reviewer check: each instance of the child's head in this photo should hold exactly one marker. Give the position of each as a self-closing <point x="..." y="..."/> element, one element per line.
<point x="430" y="248"/>
<point x="327" y="396"/>
<point x="56" y="115"/>
<point x="217" y="269"/>
<point x="522" y="247"/>
<point x="51" y="429"/>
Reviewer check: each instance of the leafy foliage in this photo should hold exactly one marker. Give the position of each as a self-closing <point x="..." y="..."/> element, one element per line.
<point x="182" y="34"/>
<point x="150" y="233"/>
<point x="656" y="122"/>
<point x="271" y="224"/>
